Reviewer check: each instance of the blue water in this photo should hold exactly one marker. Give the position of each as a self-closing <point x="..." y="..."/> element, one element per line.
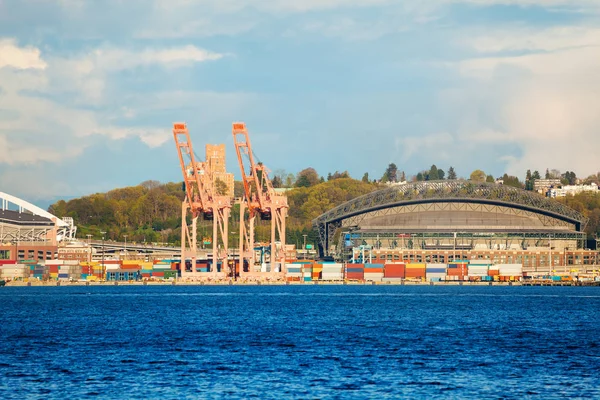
<point x="276" y="342"/>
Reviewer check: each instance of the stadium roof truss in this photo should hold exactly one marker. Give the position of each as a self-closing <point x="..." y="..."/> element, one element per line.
<point x="29" y="223"/>
<point x="449" y="191"/>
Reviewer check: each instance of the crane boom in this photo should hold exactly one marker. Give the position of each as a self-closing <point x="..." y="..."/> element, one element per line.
<point x="259" y="198"/>
<point x="201" y="198"/>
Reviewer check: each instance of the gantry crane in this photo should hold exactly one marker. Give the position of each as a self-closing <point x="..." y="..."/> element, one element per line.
<point x="259" y="199"/>
<point x="201" y="199"/>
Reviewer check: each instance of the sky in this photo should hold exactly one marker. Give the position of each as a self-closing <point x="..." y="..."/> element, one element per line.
<point x="89" y="90"/>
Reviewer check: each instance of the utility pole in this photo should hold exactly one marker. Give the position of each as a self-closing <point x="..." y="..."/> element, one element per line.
<point x="102" y="266"/>
<point x="304" y="247"/>
<point x="125" y="236"/>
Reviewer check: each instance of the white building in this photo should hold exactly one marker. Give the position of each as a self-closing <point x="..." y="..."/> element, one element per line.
<point x="572" y="190"/>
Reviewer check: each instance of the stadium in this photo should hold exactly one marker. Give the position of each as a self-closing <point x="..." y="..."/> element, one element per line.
<point x="445" y="221"/>
<point x="28" y="232"/>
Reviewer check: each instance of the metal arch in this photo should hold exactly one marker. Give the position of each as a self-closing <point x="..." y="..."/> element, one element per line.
<point x="65" y="227"/>
<point x="449" y="190"/>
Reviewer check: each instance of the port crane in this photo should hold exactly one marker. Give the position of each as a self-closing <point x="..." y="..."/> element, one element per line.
<point x="201" y="199"/>
<point x="260" y="200"/>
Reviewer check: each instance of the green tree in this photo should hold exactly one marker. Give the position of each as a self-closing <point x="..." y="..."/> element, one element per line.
<point x="536" y="175"/>
<point x="433" y="173"/>
<point x="277" y="183"/>
<point x="490" y="179"/>
<point x="392" y="173"/>
<point x="420" y="176"/>
<point x="478" y="176"/>
<point x="221" y="187"/>
<point x="451" y="173"/>
<point x="307" y="177"/>
<point x="547" y="176"/>
<point x="441" y="174"/>
<point x="365" y="177"/>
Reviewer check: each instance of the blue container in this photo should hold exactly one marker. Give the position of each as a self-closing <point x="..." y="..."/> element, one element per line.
<point x="435" y="270"/>
<point x="63" y="275"/>
<point x="373" y="265"/>
<point x="435" y="279"/>
<point x="556" y="278"/>
<point x="307" y="279"/>
<point x="355" y="270"/>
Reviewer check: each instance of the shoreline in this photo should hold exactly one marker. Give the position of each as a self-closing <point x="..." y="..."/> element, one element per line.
<point x="313" y="283"/>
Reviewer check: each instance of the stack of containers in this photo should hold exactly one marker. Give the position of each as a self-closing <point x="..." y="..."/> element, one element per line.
<point x="374" y="272"/>
<point x="160" y="267"/>
<point x="146" y="269"/>
<point x="457" y="271"/>
<point x="355" y="272"/>
<point x="14" y="271"/>
<point x="307" y="274"/>
<point x="294" y="270"/>
<point x="510" y="272"/>
<point x="493" y="272"/>
<point x="416" y="271"/>
<point x="317" y="270"/>
<point x="38" y="271"/>
<point x="53" y="266"/>
<point x="394" y="272"/>
<point x="478" y="270"/>
<point x="333" y="272"/>
<point x="436" y="272"/>
<point x="70" y="269"/>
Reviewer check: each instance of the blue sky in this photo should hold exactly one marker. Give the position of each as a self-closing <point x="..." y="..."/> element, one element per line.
<point x="89" y="90"/>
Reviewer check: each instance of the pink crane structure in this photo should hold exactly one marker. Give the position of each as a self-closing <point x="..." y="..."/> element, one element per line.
<point x="201" y="199"/>
<point x="259" y="199"/>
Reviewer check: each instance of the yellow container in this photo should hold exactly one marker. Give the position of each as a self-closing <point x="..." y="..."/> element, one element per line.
<point x="53" y="275"/>
<point x="91" y="278"/>
<point x="133" y="262"/>
<point x="415" y="265"/>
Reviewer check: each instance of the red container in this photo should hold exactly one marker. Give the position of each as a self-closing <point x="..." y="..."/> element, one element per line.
<point x="355" y="266"/>
<point x="9" y="262"/>
<point x="493" y="272"/>
<point x="145" y="275"/>
<point x="131" y="266"/>
<point x="394" y="271"/>
<point x="53" y="269"/>
<point x="158" y="274"/>
<point x="355" y="276"/>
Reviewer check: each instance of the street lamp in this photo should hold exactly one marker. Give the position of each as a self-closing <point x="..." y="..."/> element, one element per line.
<point x="304" y="246"/>
<point x="102" y="266"/>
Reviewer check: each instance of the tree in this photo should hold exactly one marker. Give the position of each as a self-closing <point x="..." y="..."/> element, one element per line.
<point x="512" y="181"/>
<point x="433" y="173"/>
<point x="307" y="177"/>
<point x="490" y="179"/>
<point x="477" y="176"/>
<point x="277" y="183"/>
<point x="451" y="173"/>
<point x="221" y="187"/>
<point x="392" y="172"/>
<point x="441" y="174"/>
<point x="536" y="175"/>
<point x="569" y="178"/>
<point x="528" y="180"/>
<point x="365" y="177"/>
<point x="420" y="176"/>
<point x="402" y="177"/>
<point x="547" y="176"/>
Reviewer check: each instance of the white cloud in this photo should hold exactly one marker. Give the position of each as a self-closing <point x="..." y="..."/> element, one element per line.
<point x="529" y="39"/>
<point x="17" y="57"/>
<point x="546" y="102"/>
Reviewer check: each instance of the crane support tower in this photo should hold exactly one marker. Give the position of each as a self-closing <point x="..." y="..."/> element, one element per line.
<point x="201" y="199"/>
<point x="261" y="200"/>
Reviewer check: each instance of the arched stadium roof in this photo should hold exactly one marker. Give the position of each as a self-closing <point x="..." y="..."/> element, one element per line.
<point x="447" y="191"/>
<point x="29" y="215"/>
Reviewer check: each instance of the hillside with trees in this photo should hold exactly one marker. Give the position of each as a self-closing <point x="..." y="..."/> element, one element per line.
<point x="151" y="211"/>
